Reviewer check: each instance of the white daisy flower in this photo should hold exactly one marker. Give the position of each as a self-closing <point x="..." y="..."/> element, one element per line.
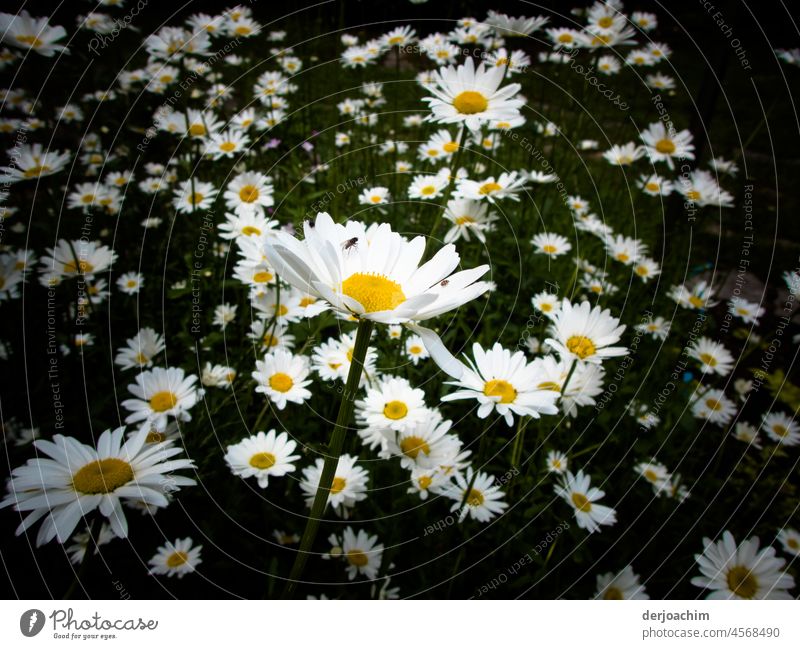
<point x="282" y="377"/>
<point x="781" y="428"/>
<point x="130" y="283"/>
<point x="665" y="145"/>
<point x="34" y="34"/>
<point x="556" y="462"/>
<point x="790" y="540"/>
<point x="482" y="498"/>
<point x="374" y="196"/>
<point x="161" y="393"/>
<point x="349" y="484"/>
<point x="392" y="404"/>
<point x="547" y="303"/>
<point x="468" y="217"/>
<point x="415" y="349"/>
<point x="713" y="357"/>
<point x="747" y="433"/>
<point x="428" y="445"/>
<point x="552" y="245"/>
<point x="378" y="277"/>
<point x="504" y="382"/>
<point x="217" y="376"/>
<point x="261" y="456"/>
<point x="748" y="312"/>
<point x="249" y="192"/>
<point x="361" y="551"/>
<point x="428" y="186"/>
<point x="427" y="481"/>
<point x="332" y="360"/>
<point x="732" y="571"/>
<point x="506" y="185"/>
<point x="141" y="349"/>
<point x="75" y="479"/>
<point x="176" y="559"/>
<point x="472" y="96"/>
<point x="585" y="333"/>
<point x="622" y="585"/>
<point x="714" y="406"/>
<point x="698" y="297"/>
<point x="578" y="492"/>
<point x="191" y="196"/>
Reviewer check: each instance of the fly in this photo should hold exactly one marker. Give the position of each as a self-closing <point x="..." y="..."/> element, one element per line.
<point x="349" y="244"/>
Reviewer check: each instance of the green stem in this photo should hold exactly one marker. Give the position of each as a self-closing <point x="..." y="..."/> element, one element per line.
<point x="334" y="451"/>
<point x="516" y="451"/>
<point x="453" y="173"/>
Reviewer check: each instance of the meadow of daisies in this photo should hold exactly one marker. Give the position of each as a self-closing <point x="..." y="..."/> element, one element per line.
<point x="385" y="302"/>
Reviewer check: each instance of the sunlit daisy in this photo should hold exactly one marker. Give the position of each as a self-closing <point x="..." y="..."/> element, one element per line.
<point x="176" y="559"/>
<point x="282" y="377"/>
<point x="261" y="456"/>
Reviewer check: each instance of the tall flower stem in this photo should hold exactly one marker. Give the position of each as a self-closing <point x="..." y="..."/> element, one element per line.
<point x="335" y="446"/>
<point x="453" y="175"/>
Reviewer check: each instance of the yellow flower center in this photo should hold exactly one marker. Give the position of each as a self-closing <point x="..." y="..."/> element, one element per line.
<point x="581" y="346"/>
<point x="549" y="248"/>
<point x="357" y="558"/>
<point x="464" y="220"/>
<point x="488" y="188"/>
<point x="623" y="257"/>
<point x="713" y="404"/>
<point x="581" y="502"/>
<point x="475" y="498"/>
<point x="394" y="40"/>
<point x="373" y="291"/>
<point x="79" y="267"/>
<point x="177" y="559"/>
<point x="708" y="359"/>
<point x="197" y="130"/>
<point x="696" y="301"/>
<point x="792" y="543"/>
<point x="428" y="190"/>
<point x="470" y="102"/>
<point x="450" y="147"/>
<point x="338" y="485"/>
<point x="415" y="349"/>
<point x="665" y="146"/>
<point x="652" y="187"/>
<point x="227" y="147"/>
<point x="36" y="171"/>
<point x="250" y="230"/>
<point x="500" y="388"/>
<point x="154" y="437"/>
<point x="29" y="39"/>
<point x="642" y="271"/>
<point x="693" y="195"/>
<point x="779" y="430"/>
<point x="195" y="199"/>
<point x="249" y="193"/>
<point x="549" y="385"/>
<point x="162" y="401"/>
<point x="262" y="277"/>
<point x="243" y="30"/>
<point x="102" y="476"/>
<point x="650" y="475"/>
<point x="565" y="38"/>
<point x="412" y="446"/>
<point x="395" y="410"/>
<point x="262" y="461"/>
<point x="281" y="382"/>
<point x="742" y="583"/>
<point x="612" y="592"/>
<point x="425" y="482"/>
<point x="605" y="22"/>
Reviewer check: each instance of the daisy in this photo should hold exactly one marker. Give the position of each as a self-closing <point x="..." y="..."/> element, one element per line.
<point x="563" y="38"/>
<point x="226" y="144"/>
<point x="515" y="63"/>
<point x="224" y="314"/>
<point x="332" y="360"/>
<point x="32" y="161"/>
<point x="249" y="192"/>
<point x="622" y="585"/>
<point x="660" y="81"/>
<point x="644" y="20"/>
<point x="428" y="186"/>
<point x="248" y="223"/>
<point x="504" y="382"/>
<point x="468" y="217"/>
<point x="282" y="377"/>
<point x="625" y="154"/>
<point x="747" y="433"/>
<point x="507" y="185"/>
<point x="192" y="195"/>
<point x="482" y="498"/>
<point x="547" y="303"/>
<point x="509" y="27"/>
<point x="349" y="484"/>
<point x="217" y="376"/>
<point x="141" y="349"/>
<point x="702" y="189"/>
<point x="377" y="278"/>
<point x="584" y="385"/>
<point x="399" y="36"/>
<point x="176" y="559"/>
<point x="26" y="32"/>
<point x="714" y="406"/>
<point x="646" y="268"/>
<point x="781" y="428"/>
<point x="748" y="312"/>
<point x="625" y="249"/>
<point x="160" y="393"/>
<point x="790" y="540"/>
<point x="392" y="404"/>
<point x="698" y="297"/>
<point x="374" y="196"/>
<point x="270" y="336"/>
<point x="471" y="96"/>
<point x="361" y="551"/>
<point x="75" y="479"/>
<point x="284" y="538"/>
<point x="82" y="541"/>
<point x="427" y="481"/>
<point x="732" y="571"/>
<point x="552" y="245"/>
<point x="415" y="349"/>
<point x="130" y="283"/>
<point x="556" y="462"/>
<point x="665" y="145"/>
<point x="576" y="490"/>
<point x="261" y="456"/>
<point x="713" y="356"/>
<point x="428" y="445"/>
<point x="585" y="333"/>
<point x="656" y="474"/>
